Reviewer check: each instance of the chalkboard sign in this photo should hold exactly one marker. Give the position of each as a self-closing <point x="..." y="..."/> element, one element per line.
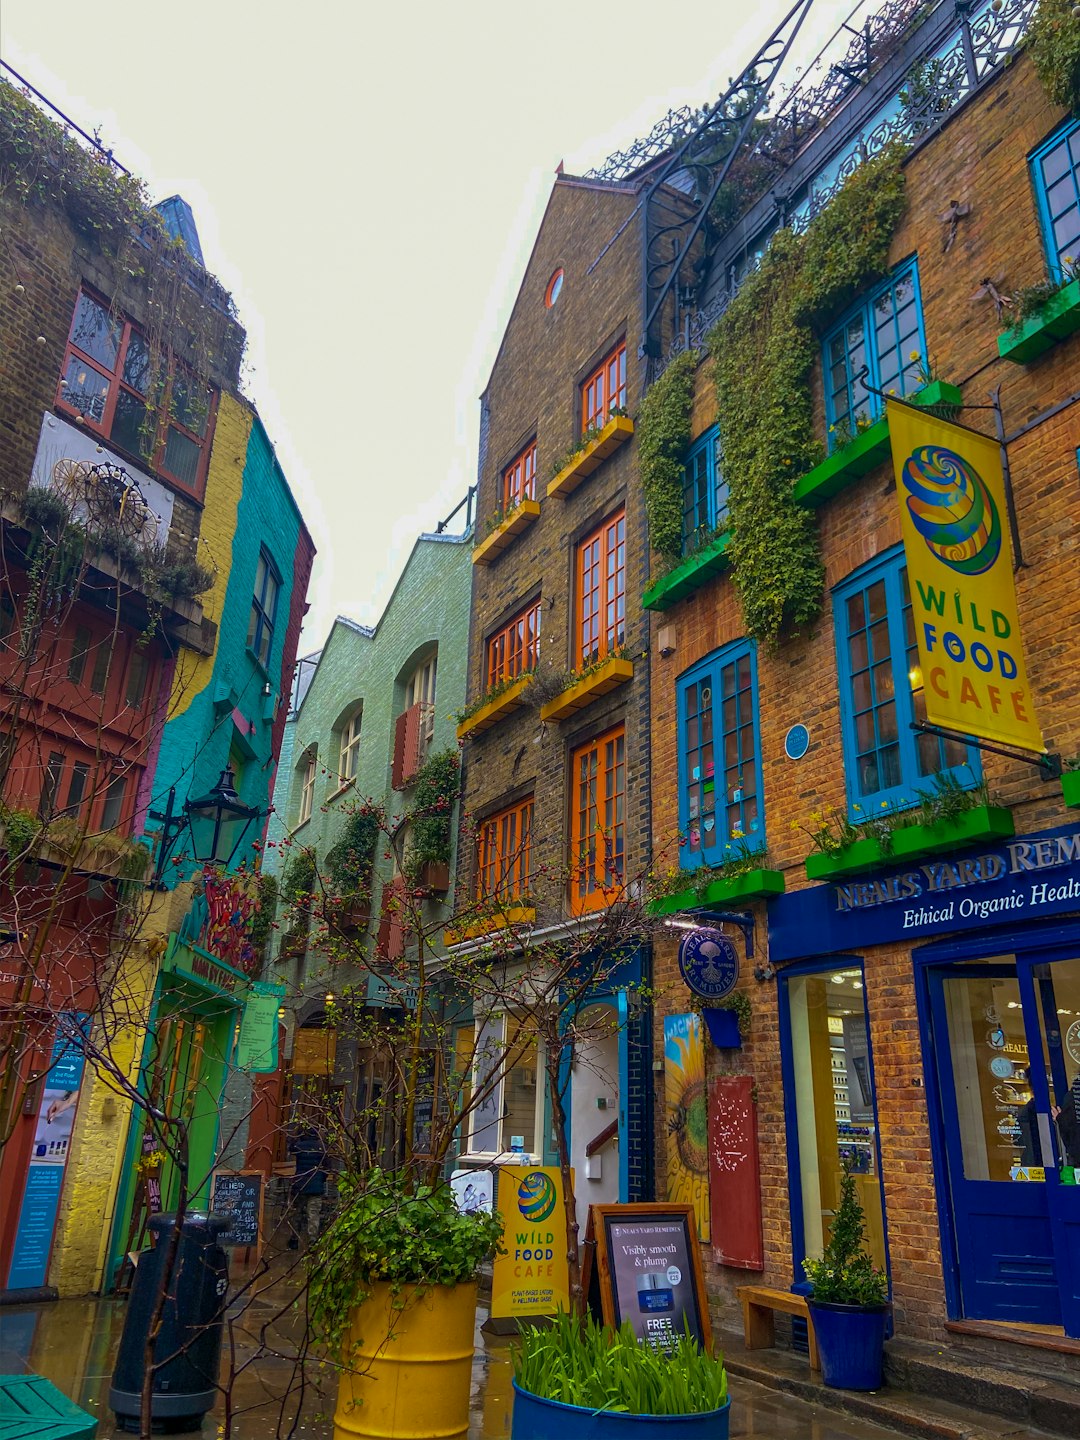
<point x="239" y="1194"/>
<point x="648" y="1266"/>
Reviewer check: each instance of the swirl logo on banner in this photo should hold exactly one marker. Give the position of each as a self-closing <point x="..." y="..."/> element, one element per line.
<point x="952" y="509"/>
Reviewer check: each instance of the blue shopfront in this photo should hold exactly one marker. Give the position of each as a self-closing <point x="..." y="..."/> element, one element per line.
<point x="993" y="936"/>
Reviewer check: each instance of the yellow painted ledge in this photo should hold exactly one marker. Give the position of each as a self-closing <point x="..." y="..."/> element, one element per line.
<point x="520" y="518"/>
<point x="612" y="673"/>
<point x="512" y="698"/>
<point x="615" y="433"/>
<point x="498" y="920"/>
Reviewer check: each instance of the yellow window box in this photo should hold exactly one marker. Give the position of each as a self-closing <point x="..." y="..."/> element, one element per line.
<point x="600" y="681"/>
<point x="615" y="433"/>
<point x="500" y="919"/>
<point x="519" y="519"/>
<point x="512" y="698"/>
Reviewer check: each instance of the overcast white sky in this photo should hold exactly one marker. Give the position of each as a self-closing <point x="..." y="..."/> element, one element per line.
<point x="367" y="181"/>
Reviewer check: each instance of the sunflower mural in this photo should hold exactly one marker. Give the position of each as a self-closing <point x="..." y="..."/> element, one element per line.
<point x="687" y="1116"/>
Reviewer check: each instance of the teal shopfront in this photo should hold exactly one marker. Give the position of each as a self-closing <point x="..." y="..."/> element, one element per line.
<point x="993" y="937"/>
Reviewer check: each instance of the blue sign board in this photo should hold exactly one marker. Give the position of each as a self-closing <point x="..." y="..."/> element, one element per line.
<point x="1027" y="878"/>
<point x="708" y="963"/>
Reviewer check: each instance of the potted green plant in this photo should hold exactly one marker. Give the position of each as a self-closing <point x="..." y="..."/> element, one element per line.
<point x="392" y="1301"/>
<point x="579" y="1380"/>
<point x="848" y="1306"/>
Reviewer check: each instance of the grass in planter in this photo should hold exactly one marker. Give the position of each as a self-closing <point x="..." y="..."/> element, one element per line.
<point x="581" y="1363"/>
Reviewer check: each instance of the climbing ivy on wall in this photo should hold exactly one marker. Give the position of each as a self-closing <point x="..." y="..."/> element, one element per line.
<point x="763" y="350"/>
<point x="663" y="431"/>
<point x="1055" y="50"/>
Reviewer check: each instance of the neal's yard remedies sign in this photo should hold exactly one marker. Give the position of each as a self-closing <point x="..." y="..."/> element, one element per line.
<point x="960" y="571"/>
<point x="1027" y="878"/>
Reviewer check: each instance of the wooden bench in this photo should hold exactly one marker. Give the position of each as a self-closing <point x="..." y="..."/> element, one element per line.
<point x="759" y="1330"/>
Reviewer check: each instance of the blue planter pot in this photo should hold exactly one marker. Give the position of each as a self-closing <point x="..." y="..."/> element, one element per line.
<point x="538" y="1419"/>
<point x="851" y="1344"/>
<point x="723" y="1027"/>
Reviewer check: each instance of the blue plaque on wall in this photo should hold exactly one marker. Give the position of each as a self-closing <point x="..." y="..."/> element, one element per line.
<point x="708" y="963"/>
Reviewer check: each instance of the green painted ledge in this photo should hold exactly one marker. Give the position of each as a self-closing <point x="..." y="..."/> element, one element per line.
<point x="1070" y="787"/>
<point x="984" y="822"/>
<point x="754" y="885"/>
<point x="1057" y="319"/>
<point x="867" y="451"/>
<point x="687" y="576"/>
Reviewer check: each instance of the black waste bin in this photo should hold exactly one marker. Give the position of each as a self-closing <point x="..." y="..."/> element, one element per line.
<point x="188" y="1346"/>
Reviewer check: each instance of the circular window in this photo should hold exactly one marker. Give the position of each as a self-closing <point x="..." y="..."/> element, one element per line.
<point x="554" y="287"/>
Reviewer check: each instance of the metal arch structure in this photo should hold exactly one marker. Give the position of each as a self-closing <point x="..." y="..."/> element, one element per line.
<point x="670" y="226"/>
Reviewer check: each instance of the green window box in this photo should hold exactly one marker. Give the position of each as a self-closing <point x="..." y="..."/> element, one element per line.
<point x="985" y="822"/>
<point x="1057" y="319"/>
<point x="1070" y="787"/>
<point x="754" y="885"/>
<point x="688" y="575"/>
<point x="864" y="854"/>
<point x="867" y="451"/>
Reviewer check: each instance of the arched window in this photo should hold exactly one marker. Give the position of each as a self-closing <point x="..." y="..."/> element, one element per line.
<point x="349" y="747"/>
<point x="308" y="768"/>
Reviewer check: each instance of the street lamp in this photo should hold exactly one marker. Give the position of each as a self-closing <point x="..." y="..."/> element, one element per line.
<point x="217" y="823"/>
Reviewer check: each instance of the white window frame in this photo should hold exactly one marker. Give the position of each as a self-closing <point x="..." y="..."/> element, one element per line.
<point x="349" y="748"/>
<point x="420" y="686"/>
<point x="478" y="1121"/>
<point x="307" y="787"/>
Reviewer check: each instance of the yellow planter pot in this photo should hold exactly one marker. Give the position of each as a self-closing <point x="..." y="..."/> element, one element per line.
<point x="415" y="1364"/>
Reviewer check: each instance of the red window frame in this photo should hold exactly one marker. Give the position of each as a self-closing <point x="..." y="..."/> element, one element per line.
<point x="598" y="819"/>
<point x="519" y="477"/>
<point x="604" y="390"/>
<point x="504" y="853"/>
<point x="600" y="615"/>
<point x="117" y="384"/>
<point x="515" y="648"/>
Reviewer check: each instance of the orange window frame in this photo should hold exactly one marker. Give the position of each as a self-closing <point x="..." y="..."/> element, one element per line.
<point x="598" y="820"/>
<point x="515" y="648"/>
<point x="605" y="389"/>
<point x="600" y="615"/>
<point x="504" y="853"/>
<point x="118" y="383"/>
<point x="519" y="478"/>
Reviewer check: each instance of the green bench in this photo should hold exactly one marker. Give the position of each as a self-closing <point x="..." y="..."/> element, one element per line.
<point x="33" y="1409"/>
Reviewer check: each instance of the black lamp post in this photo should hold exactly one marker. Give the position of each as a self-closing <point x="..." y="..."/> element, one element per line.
<point x="217" y="822"/>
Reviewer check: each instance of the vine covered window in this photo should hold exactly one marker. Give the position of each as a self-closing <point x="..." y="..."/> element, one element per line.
<point x="519" y="478"/>
<point x="604" y="390"/>
<point x="881" y="694"/>
<point x="503" y="853"/>
<point x="515" y="647"/>
<point x="881" y="343"/>
<point x="720" y="793"/>
<point x="601" y="591"/>
<point x="598" y="821"/>
<point x="705" y="491"/>
<point x="108" y="378"/>
<point x="1056" y="171"/>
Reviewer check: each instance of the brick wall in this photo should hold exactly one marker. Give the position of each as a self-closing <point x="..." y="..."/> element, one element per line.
<point x="980" y="159"/>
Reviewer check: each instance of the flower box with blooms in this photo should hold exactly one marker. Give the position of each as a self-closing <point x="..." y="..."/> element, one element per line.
<point x="505" y="528"/>
<point x="703" y="891"/>
<point x="981" y="822"/>
<point x="1056" y="318"/>
<point x="867" y="448"/>
<point x="494" y="705"/>
<point x="595" y="446"/>
<point x="588" y="685"/>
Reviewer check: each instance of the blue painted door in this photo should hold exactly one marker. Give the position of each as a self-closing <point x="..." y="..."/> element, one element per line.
<point x="1003" y="1232"/>
<point x="1050" y="986"/>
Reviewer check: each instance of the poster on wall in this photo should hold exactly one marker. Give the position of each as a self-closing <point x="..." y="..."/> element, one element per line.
<point x="48" y="1159"/>
<point x="532" y="1277"/>
<point x="686" y="1108"/>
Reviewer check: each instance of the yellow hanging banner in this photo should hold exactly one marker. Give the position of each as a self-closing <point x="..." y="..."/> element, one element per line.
<point x="955" y="524"/>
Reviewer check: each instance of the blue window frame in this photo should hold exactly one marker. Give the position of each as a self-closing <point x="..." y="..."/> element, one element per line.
<point x="720" y="794"/>
<point x="881" y="694"/>
<point x="1055" y="169"/>
<point x="880" y="334"/>
<point x="705" y="491"/>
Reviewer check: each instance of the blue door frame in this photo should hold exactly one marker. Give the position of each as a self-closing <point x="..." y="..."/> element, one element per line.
<point x="1043" y="1276"/>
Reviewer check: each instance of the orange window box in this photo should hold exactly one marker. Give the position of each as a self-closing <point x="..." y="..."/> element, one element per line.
<point x="495" y="710"/>
<point x="519" y="519"/>
<point x="605" y="678"/>
<point x="615" y="433"/>
<point x="500" y="919"/>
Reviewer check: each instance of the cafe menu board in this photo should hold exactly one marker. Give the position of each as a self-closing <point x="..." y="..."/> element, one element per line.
<point x="649" y="1271"/>
<point x="239" y="1194"/>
